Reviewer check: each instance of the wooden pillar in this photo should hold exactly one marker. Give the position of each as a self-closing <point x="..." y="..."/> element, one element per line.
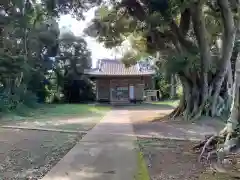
<point x="97" y="97"/>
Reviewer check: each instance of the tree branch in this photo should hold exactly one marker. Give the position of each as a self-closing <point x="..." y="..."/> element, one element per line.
<point x="203" y="44"/>
<point x="228" y="38"/>
<point x="183" y="40"/>
<point x="201" y="34"/>
<point x="135" y="9"/>
<point x="212" y="5"/>
<point x="185" y="22"/>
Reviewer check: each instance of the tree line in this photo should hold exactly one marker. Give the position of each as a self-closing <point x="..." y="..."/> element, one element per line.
<point x="37" y="62"/>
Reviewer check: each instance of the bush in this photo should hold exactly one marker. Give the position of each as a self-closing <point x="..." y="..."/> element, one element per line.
<point x="16" y="100"/>
<point x="179" y="90"/>
<point x="162" y="84"/>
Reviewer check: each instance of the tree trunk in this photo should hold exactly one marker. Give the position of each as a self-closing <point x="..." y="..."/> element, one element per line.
<point x="191" y="106"/>
<point x="218" y="148"/>
<point x="204" y="48"/>
<point x="229" y="85"/>
<point x="202" y="94"/>
<point x="233" y="120"/>
<point x="227" y="48"/>
<point x="173" y="87"/>
<point x="228" y="140"/>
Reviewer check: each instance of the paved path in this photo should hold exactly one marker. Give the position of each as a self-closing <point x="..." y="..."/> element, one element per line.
<point x="107" y="152"/>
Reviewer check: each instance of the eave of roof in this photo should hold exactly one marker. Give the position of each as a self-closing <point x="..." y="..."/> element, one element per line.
<point x="103" y="74"/>
<point x="116" y="68"/>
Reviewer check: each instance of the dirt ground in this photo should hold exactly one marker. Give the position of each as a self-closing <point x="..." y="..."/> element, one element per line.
<point x="174" y="160"/>
<point x="170" y="159"/>
<point x="29" y="154"/>
<point x="146" y="123"/>
<point x="167" y="147"/>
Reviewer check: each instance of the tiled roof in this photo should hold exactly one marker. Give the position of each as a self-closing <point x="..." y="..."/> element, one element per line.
<point x="117" y="68"/>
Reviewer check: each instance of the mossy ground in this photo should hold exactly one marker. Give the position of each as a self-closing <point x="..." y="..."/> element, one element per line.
<point x="142" y="171"/>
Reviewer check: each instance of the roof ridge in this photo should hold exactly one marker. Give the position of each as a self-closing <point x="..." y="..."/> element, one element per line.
<point x="117" y="67"/>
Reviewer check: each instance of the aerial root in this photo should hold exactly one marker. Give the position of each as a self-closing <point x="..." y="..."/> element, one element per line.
<point x="176" y="112"/>
<point x="208" y="142"/>
<point x="208" y="147"/>
<point x="221" y="151"/>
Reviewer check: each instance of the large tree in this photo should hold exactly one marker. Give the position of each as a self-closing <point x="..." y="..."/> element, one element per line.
<point x="29" y="35"/>
<point x="29" y="43"/>
<point x="197" y="40"/>
<point x="72" y="58"/>
<point x="187" y="33"/>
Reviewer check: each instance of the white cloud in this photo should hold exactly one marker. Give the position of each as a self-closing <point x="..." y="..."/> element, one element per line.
<point x="77" y="27"/>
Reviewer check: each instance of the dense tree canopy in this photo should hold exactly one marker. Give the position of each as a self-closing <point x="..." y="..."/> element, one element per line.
<point x="73" y="57"/>
<point x="32" y="51"/>
<point x="28" y="37"/>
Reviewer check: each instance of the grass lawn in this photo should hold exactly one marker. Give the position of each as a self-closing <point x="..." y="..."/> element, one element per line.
<point x="59" y="111"/>
<point x="61" y="116"/>
<point x="172" y="103"/>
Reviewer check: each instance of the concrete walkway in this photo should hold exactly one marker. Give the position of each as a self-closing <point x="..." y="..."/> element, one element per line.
<point x="105" y="153"/>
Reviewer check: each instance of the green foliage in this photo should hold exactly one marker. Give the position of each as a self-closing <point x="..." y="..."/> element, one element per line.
<point x="158" y="26"/>
<point x="162" y="83"/>
<point x="111" y="26"/>
<point x="173" y="103"/>
<point x="73" y="7"/>
<point x="179" y="90"/>
<point x="73" y="57"/>
<point x="46" y="111"/>
<point x="16" y="99"/>
<point x="29" y="37"/>
<point x="164" y="88"/>
<point x="180" y="63"/>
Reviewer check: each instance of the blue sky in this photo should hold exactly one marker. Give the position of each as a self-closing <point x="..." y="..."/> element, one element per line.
<point x="77" y="27"/>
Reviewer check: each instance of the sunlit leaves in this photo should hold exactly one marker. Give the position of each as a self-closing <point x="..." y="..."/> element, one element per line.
<point x="73" y="55"/>
<point x="130" y="58"/>
<point x="138" y="42"/>
<point x="115" y="25"/>
<point x="102" y="12"/>
<point x="111" y="26"/>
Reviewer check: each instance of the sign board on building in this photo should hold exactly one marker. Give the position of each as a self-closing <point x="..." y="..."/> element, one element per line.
<point x="151" y="93"/>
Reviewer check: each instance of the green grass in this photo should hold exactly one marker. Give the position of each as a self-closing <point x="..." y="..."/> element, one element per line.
<point x="142" y="171"/>
<point x="173" y="103"/>
<point x="65" y="110"/>
<point x="52" y="111"/>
